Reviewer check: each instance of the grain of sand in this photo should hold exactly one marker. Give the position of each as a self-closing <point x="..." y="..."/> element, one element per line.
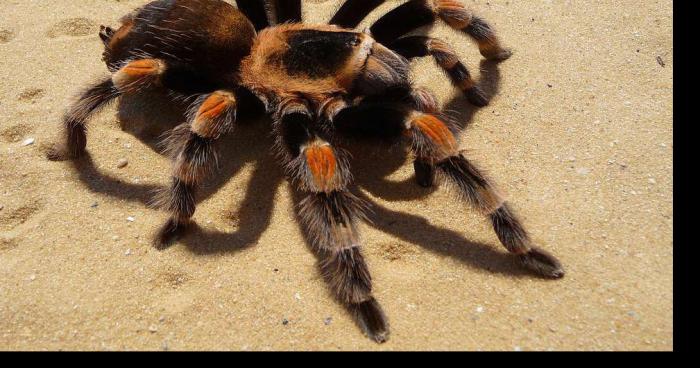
<point x="579" y="135"/>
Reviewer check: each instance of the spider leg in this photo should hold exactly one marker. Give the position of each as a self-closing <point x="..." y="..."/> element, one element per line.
<point x="352" y="12"/>
<point x="329" y="212"/>
<point x="288" y="11"/>
<point x="255" y="11"/>
<point x="191" y="146"/>
<point x="91" y="101"/>
<point x="419" y="13"/>
<point x="139" y="74"/>
<point x="434" y="142"/>
<point x="128" y="79"/>
<point x="447" y="59"/>
<point x="435" y="147"/>
<point x="390" y="124"/>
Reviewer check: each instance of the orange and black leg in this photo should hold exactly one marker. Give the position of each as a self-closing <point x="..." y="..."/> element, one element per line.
<point x="132" y="77"/>
<point x="418" y="13"/>
<point x="329" y="213"/>
<point x="75" y="120"/>
<point x="434" y="142"/>
<point x="421" y="46"/>
<point x="288" y="11"/>
<point x="191" y="146"/>
<point x="352" y="12"/>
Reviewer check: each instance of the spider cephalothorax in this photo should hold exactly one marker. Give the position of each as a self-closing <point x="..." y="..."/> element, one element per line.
<point x="319" y="83"/>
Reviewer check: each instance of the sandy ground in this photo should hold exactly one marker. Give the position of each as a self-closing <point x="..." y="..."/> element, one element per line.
<point x="579" y="135"/>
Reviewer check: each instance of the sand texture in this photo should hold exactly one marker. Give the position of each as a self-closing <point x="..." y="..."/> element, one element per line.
<point x="578" y="135"/>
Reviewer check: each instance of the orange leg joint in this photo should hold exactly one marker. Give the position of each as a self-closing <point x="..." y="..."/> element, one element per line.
<point x="322" y="165"/>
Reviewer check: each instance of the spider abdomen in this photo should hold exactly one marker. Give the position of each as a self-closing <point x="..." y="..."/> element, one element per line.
<point x="204" y="41"/>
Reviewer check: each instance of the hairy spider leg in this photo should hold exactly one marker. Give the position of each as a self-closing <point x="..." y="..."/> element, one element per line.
<point x="418" y="13"/>
<point x="329" y="212"/>
<point x="436" y="149"/>
<point x="447" y="59"/>
<point x="191" y="145"/>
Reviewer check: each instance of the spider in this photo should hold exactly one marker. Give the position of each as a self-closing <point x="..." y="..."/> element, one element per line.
<point x="320" y="84"/>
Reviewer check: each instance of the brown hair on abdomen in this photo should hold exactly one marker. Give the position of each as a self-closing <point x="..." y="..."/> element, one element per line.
<point x="211" y="37"/>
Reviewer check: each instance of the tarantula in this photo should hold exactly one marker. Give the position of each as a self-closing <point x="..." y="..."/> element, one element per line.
<point x="319" y="83"/>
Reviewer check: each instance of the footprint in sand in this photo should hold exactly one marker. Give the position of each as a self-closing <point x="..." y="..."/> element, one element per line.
<point x="173" y="278"/>
<point x="16" y="133"/>
<point x="6" y="36"/>
<point x="74" y="27"/>
<point x="395" y="251"/>
<point x="7" y="243"/>
<point x="31" y="95"/>
<point x="10" y="219"/>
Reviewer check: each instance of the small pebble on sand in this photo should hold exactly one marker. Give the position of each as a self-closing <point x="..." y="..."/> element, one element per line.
<point x="32" y="277"/>
<point x="28" y="142"/>
<point x="130" y="219"/>
<point x="328" y="321"/>
<point x="153" y="328"/>
<point x="285" y="322"/>
<point x="128" y="252"/>
<point x="297" y="296"/>
<point x="479" y="309"/>
<point x="122" y="163"/>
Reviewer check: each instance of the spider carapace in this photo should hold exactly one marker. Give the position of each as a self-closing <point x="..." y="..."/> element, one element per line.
<point x="320" y="83"/>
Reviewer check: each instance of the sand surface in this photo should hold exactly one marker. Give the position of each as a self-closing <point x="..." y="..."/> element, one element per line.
<point x="579" y="135"/>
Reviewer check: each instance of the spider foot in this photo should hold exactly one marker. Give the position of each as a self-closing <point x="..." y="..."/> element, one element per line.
<point x="59" y="152"/>
<point x="371" y="318"/>
<point x="425" y="173"/>
<point x="498" y="54"/>
<point x="169" y="233"/>
<point x="476" y="97"/>
<point x="543" y="263"/>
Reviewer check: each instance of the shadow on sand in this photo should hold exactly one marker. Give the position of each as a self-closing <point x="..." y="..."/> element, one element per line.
<point x="150" y="115"/>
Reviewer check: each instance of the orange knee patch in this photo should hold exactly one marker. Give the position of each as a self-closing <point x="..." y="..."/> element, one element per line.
<point x="206" y="123"/>
<point x="443" y="54"/>
<point x="322" y="164"/>
<point x="136" y="73"/>
<point x="453" y="13"/>
<point x="437" y="131"/>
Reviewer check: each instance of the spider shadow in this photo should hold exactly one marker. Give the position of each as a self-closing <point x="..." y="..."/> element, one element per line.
<point x="150" y="115"/>
<point x="371" y="161"/>
<point x="372" y="164"/>
<point x="460" y="110"/>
